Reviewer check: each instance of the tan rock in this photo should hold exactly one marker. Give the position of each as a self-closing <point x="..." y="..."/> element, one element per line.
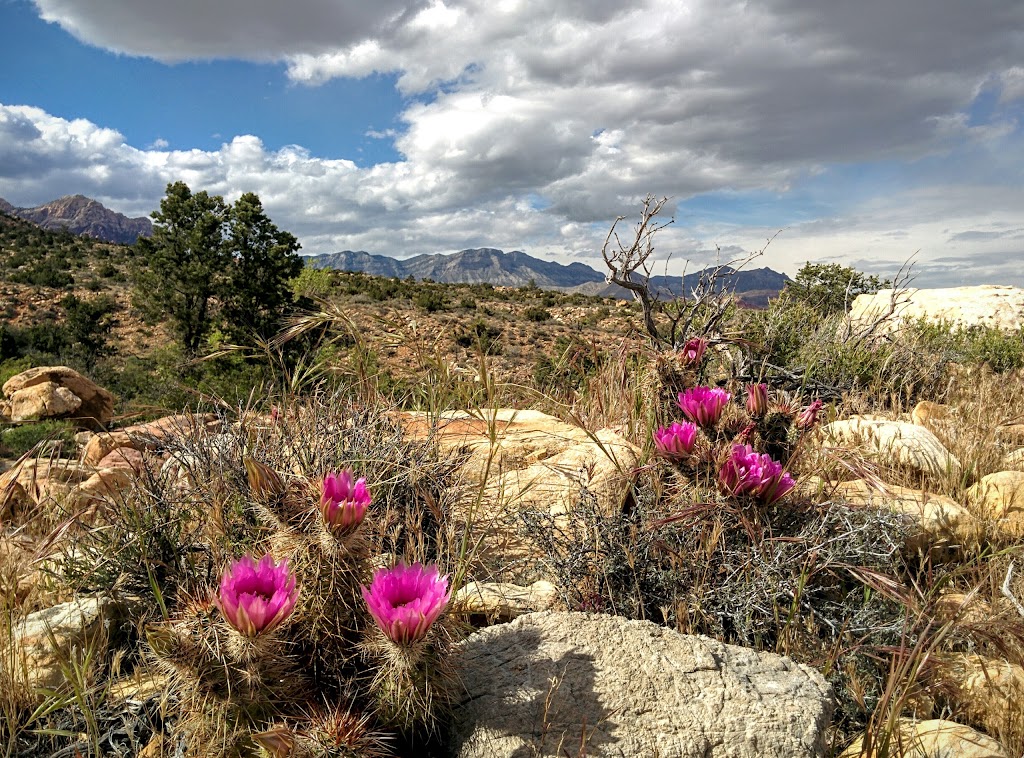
<point x="124" y="458"/>
<point x="148" y="436"/>
<point x="989" y="691"/>
<point x="36" y="480"/>
<point x="1014" y="460"/>
<point x="967" y="609"/>
<point x="504" y="602"/>
<point x="893" y="442"/>
<point x="1000" y="496"/>
<point x="1012" y="433"/>
<point x="943" y="524"/>
<point x="45" y="638"/>
<point x="58" y="392"/>
<point x="5" y="410"/>
<point x="525" y="461"/>
<point x="931" y="739"/>
<point x="988" y="305"/>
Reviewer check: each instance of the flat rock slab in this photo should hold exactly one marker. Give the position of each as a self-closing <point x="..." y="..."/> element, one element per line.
<point x="989" y="305"/>
<point x="552" y="683"/>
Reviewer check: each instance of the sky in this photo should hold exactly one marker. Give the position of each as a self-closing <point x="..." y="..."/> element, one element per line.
<point x="867" y="133"/>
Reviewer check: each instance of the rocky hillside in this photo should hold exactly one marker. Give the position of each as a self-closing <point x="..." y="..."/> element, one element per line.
<point x="517" y="269"/>
<point x="83" y="215"/>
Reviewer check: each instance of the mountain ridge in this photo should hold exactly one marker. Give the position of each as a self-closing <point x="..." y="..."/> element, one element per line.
<point x="518" y="269"/>
<point x="83" y="215"/>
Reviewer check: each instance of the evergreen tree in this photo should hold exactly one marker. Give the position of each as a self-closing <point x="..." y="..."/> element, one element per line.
<point x="264" y="261"/>
<point x="830" y="288"/>
<point x="181" y="269"/>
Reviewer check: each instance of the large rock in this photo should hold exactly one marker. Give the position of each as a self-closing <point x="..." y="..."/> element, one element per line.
<point x="602" y="685"/>
<point x="513" y="461"/>
<point x="986" y="305"/>
<point x="935" y="738"/>
<point x="58" y="392"/>
<point x="46" y="638"/>
<point x="943" y="525"/>
<point x="989" y="692"/>
<point x="1000" y="496"/>
<point x="893" y="443"/>
<point x="64" y="486"/>
<point x="148" y="436"/>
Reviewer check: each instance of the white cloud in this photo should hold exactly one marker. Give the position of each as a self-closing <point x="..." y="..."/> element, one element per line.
<point x="535" y="122"/>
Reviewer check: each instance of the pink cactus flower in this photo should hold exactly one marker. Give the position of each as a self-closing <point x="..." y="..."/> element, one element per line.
<point x="748" y="472"/>
<point x="704" y="405"/>
<point x="256" y="597"/>
<point x="693" y="350"/>
<point x="406" y="600"/>
<point x="343" y="501"/>
<point x="757" y="400"/>
<point x="676" y="441"/>
<point x="809" y="416"/>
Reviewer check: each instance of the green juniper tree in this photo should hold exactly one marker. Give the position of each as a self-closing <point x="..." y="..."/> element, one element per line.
<point x="181" y="269"/>
<point x="209" y="265"/>
<point x="830" y="288"/>
<point x="264" y="261"/>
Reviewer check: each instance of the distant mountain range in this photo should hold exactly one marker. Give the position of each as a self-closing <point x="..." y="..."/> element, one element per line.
<point x="82" y="215"/>
<point x="517" y="269"/>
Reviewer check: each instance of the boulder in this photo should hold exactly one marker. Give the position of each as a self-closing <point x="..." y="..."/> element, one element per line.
<point x="942" y="524"/>
<point x="34" y="481"/>
<point x="525" y="461"/>
<point x="935" y="738"/>
<point x="965" y="608"/>
<point x="45" y="638"/>
<point x="942" y="419"/>
<point x="1012" y="433"/>
<point x="1014" y="460"/>
<point x="1000" y="496"/>
<point x="987" y="305"/>
<point x="148" y="436"/>
<point x="504" y="602"/>
<point x="58" y="392"/>
<point x="893" y="442"/>
<point x="989" y="692"/>
<point x="602" y="685"/>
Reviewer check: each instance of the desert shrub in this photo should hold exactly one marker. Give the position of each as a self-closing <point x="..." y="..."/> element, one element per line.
<point x="481" y="336"/>
<point x="18" y="439"/>
<point x="830" y="288"/>
<point x="430" y="299"/>
<point x="537" y="314"/>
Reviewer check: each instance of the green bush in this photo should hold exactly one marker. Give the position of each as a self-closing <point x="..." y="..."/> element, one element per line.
<point x="537" y="313"/>
<point x="17" y="440"/>
<point x="430" y="300"/>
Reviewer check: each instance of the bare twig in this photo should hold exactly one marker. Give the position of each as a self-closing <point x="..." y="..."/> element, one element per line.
<point x="1008" y="593"/>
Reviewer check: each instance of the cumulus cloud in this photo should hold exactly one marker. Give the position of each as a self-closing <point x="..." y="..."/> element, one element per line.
<point x="533" y="123"/>
<point x="198" y="29"/>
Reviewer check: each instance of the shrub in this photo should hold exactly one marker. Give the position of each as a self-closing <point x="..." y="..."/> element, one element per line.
<point x="537" y="313"/>
<point x="19" y="439"/>
<point x="429" y="299"/>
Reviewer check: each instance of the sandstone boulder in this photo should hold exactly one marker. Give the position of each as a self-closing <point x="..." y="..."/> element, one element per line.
<point x="989" y="692"/>
<point x="525" y="461"/>
<point x="504" y="602"/>
<point x="893" y="443"/>
<point x="58" y="392"/>
<point x="1014" y="460"/>
<point x="148" y="436"/>
<point x="987" y="305"/>
<point x="45" y="638"/>
<point x="1000" y="496"/>
<point x="932" y="739"/>
<point x="607" y="686"/>
<point x="942" y="524"/>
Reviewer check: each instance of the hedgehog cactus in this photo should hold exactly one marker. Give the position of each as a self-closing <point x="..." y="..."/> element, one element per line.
<point x="408" y="645"/>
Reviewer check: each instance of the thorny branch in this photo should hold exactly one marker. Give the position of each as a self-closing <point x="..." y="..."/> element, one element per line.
<point x="630" y="266"/>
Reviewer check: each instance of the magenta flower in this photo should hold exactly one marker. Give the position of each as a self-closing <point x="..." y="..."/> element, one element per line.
<point x="343" y="502"/>
<point x="748" y="472"/>
<point x="693" y="350"/>
<point x="757" y="400"/>
<point x="704" y="405"/>
<point x="406" y="600"/>
<point x="256" y="597"/>
<point x="676" y="441"/>
<point x="809" y="416"/>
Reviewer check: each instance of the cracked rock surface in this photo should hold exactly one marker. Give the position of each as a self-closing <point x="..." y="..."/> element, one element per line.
<point x="601" y="685"/>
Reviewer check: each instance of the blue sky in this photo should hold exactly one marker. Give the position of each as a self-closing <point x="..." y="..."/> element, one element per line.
<point x="868" y="133"/>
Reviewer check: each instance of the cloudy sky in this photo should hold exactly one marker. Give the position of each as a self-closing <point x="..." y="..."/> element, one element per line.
<point x="868" y="132"/>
